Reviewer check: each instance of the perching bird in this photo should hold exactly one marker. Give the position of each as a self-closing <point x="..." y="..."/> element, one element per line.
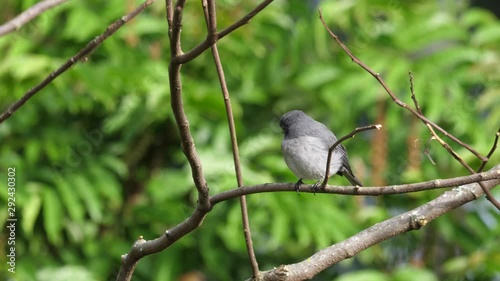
<point x="305" y="148"/>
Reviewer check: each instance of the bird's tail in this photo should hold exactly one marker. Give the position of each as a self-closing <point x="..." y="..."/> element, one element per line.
<point x="351" y="177"/>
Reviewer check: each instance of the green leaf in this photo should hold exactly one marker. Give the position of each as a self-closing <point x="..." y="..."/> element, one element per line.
<point x="363" y="275"/>
<point x="70" y="200"/>
<point x="317" y="75"/>
<point x="489" y="34"/>
<point x="30" y="66"/>
<point x="408" y="273"/>
<point x="68" y="272"/>
<point x="31" y="210"/>
<point x="52" y="216"/>
<point x="89" y="196"/>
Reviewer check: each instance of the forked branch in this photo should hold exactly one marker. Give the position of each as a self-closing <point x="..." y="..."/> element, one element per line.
<point x="26" y="16"/>
<point x="418" y="113"/>
<point x="211" y="20"/>
<point x="412" y="220"/>
<point x="338" y="142"/>
<point x="81" y="55"/>
<point x="392" y="95"/>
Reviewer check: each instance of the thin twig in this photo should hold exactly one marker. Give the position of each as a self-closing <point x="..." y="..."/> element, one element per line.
<point x="413" y="97"/>
<point x="357" y="190"/>
<point x="426" y="151"/>
<point x="492" y="150"/>
<point x="170" y="15"/>
<point x="142" y="247"/>
<point x="431" y="125"/>
<point x="24" y="17"/>
<point x="130" y="260"/>
<point x="393" y="96"/>
<point x="205" y="44"/>
<point x="210" y="18"/>
<point x="187" y="142"/>
<point x="83" y="53"/>
<point x="448" y="148"/>
<point x="412" y="220"/>
<point x="339" y="141"/>
<point x="455" y="155"/>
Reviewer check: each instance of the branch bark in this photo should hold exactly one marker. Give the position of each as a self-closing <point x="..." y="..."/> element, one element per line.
<point x="418" y="113"/>
<point x="338" y="142"/>
<point x="82" y="54"/>
<point x="211" y="20"/>
<point x="204" y="45"/>
<point x="412" y="220"/>
<point x="392" y="95"/>
<point x="493" y="174"/>
<point x="26" y="16"/>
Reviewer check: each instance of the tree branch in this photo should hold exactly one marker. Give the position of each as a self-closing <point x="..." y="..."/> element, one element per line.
<point x="412" y="220"/>
<point x="82" y="54"/>
<point x="24" y="17"/>
<point x="417" y="113"/>
<point x="356" y="190"/>
<point x="452" y="152"/>
<point x="204" y="45"/>
<point x="187" y="142"/>
<point x="338" y="142"/>
<point x="393" y="96"/>
<point x="492" y="150"/>
<point x="211" y="20"/>
<point x="143" y="248"/>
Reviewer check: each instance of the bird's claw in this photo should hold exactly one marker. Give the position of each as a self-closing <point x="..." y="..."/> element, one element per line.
<point x="297" y="186"/>
<point x="317" y="186"/>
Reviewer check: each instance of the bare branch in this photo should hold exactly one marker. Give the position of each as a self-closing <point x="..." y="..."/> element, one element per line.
<point x="492" y="150"/>
<point x="356" y="190"/>
<point x="204" y="45"/>
<point x="187" y="142"/>
<point x="412" y="220"/>
<point x="24" y="17"/>
<point x="413" y="97"/>
<point x="210" y="18"/>
<point x="393" y="96"/>
<point x="426" y="151"/>
<point x="431" y="125"/>
<point x="82" y="54"/>
<point x="174" y="19"/>
<point x="338" y="142"/>
<point x="143" y="248"/>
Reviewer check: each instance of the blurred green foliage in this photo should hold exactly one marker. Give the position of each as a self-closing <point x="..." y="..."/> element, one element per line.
<point x="99" y="162"/>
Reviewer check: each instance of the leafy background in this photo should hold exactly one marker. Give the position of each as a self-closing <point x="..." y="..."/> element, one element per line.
<point x="99" y="163"/>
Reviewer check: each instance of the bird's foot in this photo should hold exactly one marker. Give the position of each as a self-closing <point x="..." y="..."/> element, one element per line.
<point x="317" y="186"/>
<point x="297" y="186"/>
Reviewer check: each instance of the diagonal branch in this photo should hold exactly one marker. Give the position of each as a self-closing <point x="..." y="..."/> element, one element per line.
<point x="187" y="142"/>
<point x="413" y="96"/>
<point x="417" y="113"/>
<point x="453" y="153"/>
<point x="393" y="96"/>
<point x="31" y="13"/>
<point x="492" y="150"/>
<point x="207" y="43"/>
<point x="412" y="220"/>
<point x="211" y="20"/>
<point x="338" y="142"/>
<point x="82" y="54"/>
<point x="493" y="174"/>
<point x="142" y="248"/>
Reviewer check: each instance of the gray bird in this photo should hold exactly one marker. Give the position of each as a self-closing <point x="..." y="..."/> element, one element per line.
<point x="305" y="148"/>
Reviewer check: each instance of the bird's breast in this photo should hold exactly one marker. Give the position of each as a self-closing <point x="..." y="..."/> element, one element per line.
<point x="306" y="156"/>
